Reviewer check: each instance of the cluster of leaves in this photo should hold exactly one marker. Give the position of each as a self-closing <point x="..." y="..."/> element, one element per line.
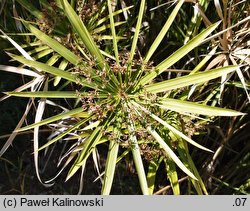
<point x="120" y="97"/>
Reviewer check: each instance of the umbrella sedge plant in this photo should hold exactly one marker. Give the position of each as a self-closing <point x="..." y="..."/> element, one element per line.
<point x="118" y="101"/>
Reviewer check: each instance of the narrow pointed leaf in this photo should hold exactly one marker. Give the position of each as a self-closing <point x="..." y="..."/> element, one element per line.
<point x="110" y="167"/>
<point x="170" y="153"/>
<point x="112" y="24"/>
<point x="55" y="45"/>
<point x="99" y="22"/>
<point x="187" y="80"/>
<point x="89" y="145"/>
<point x="137" y="157"/>
<point x="171" y="128"/>
<point x="139" y="164"/>
<point x="17" y="46"/>
<point x="173" y="176"/>
<point x="83" y="33"/>
<point x="62" y="66"/>
<point x="163" y="31"/>
<point x="108" y="26"/>
<point x="184" y="154"/>
<point x="62" y="134"/>
<point x="19" y="70"/>
<point x="180" y="53"/>
<point x="52" y="94"/>
<point x="204" y="61"/>
<point x="53" y="70"/>
<point x="54" y="118"/>
<point x="151" y="175"/>
<point x="42" y="54"/>
<point x="192" y="107"/>
<point x="33" y="10"/>
<point x="137" y="31"/>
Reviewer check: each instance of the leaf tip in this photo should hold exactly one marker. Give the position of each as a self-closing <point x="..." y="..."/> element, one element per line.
<point x="7" y="93"/>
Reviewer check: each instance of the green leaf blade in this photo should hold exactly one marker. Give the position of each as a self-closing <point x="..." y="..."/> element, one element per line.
<point x="110" y="167"/>
<point x="172" y="176"/>
<point x="55" y="118"/>
<point x="87" y="149"/>
<point x="51" y="94"/>
<point x="163" y="31"/>
<point x="112" y="25"/>
<point x="55" y="45"/>
<point x="171" y="154"/>
<point x="33" y="10"/>
<point x="177" y="55"/>
<point x="151" y="175"/>
<point x="171" y="128"/>
<point x="137" y="31"/>
<point x="187" y="80"/>
<point x="53" y="70"/>
<point x="195" y="108"/>
<point x="62" y="134"/>
<point x="83" y="33"/>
